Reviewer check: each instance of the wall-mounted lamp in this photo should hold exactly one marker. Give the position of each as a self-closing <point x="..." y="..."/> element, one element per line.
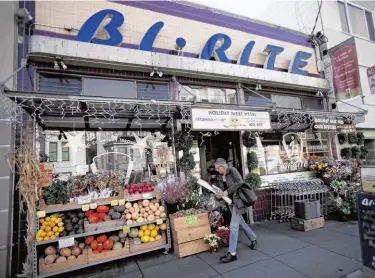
<point x="157" y="71"/>
<point x="319" y="93"/>
<point x="258" y="87"/>
<point x="62" y="134"/>
<point x="59" y="64"/>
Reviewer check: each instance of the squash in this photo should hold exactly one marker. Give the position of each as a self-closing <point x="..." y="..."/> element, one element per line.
<point x="150" y="218"/>
<point x="117" y="245"/>
<point x="81" y="246"/>
<point x="60" y="259"/>
<point x="128" y="216"/>
<point x="66" y="252"/>
<point x="101" y="239"/>
<point x="50" y="259"/>
<point x="50" y="250"/>
<point x="157" y="205"/>
<point x="93" y="219"/>
<point x="137" y="241"/>
<point x="115" y="238"/>
<point x="100" y="247"/>
<point x="108" y="244"/>
<point x="116" y="216"/>
<point x="145" y="203"/>
<point x="122" y="234"/>
<point x="157" y="213"/>
<point x="102" y="209"/>
<point x="95" y="251"/>
<point x="135" y="215"/>
<point x="153" y="208"/>
<point x="142" y="210"/>
<point x="128" y="205"/>
<point x="71" y="258"/>
<point x="89" y="239"/>
<point x="133" y="232"/>
<point x="163" y="215"/>
<point x="76" y="251"/>
<point x="120" y="209"/>
<point x="131" y="210"/>
<point x="111" y="211"/>
<point x="162" y="209"/>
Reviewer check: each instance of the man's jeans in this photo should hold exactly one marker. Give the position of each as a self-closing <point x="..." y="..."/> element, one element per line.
<point x="235" y="223"/>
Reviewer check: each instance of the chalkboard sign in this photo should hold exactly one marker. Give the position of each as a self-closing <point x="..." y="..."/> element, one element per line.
<point x="366" y="217"/>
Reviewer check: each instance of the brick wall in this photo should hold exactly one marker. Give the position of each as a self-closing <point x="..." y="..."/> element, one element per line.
<point x="262" y="208"/>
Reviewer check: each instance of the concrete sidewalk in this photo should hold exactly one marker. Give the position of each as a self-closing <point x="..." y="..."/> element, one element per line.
<point x="331" y="252"/>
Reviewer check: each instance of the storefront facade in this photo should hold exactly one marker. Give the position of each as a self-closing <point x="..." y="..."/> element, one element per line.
<point x="166" y="67"/>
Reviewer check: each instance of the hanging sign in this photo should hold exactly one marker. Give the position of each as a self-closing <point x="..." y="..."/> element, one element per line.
<point x="227" y="120"/>
<point x="371" y="79"/>
<point x="368" y="179"/>
<point x="345" y="70"/>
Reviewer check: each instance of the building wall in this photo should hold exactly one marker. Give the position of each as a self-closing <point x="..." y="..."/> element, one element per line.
<point x="7" y="62"/>
<point x="195" y="28"/>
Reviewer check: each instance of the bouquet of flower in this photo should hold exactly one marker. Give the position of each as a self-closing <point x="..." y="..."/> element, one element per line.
<point x="213" y="241"/>
<point x="172" y="191"/>
<point x="223" y="233"/>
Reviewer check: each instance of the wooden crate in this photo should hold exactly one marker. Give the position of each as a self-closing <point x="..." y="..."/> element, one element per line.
<point x="101" y="226"/>
<point x="50" y="268"/>
<point x="144" y="246"/>
<point x="109" y="254"/>
<point x="189" y="222"/>
<point x="190" y="234"/>
<point x="190" y="248"/>
<point x="43" y="206"/>
<point x="307" y="225"/>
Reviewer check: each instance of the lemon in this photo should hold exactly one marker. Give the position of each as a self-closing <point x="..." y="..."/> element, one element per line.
<point x="52" y="237"/>
<point x="151" y="227"/>
<point x="43" y="234"/>
<point x="50" y="233"/>
<point x="48" y="219"/>
<point x="41" y="228"/>
<point x="52" y="224"/>
<point x="147" y="232"/>
<point x="55" y="229"/>
<point x="157" y="237"/>
<point x="39" y="239"/>
<point x="153" y="233"/>
<point x="60" y="224"/>
<point x="152" y="239"/>
<point x="46" y="238"/>
<point x="163" y="226"/>
<point x="57" y="220"/>
<point x="144" y="227"/>
<point x="61" y="229"/>
<point x="45" y="223"/>
<point x="157" y="228"/>
<point x="145" y="239"/>
<point x="41" y="220"/>
<point x="57" y="234"/>
<point x="140" y="233"/>
<point x="53" y="218"/>
<point x="47" y="229"/>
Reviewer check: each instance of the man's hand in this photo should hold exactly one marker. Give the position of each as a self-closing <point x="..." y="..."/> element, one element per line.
<point x="225" y="193"/>
<point x="219" y="195"/>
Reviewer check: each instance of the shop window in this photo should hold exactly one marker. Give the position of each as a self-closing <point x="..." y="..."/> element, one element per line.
<point x="156" y="91"/>
<point x="52" y="154"/>
<point x="356" y="20"/>
<point x="207" y="94"/>
<point x="64" y="152"/>
<point x="310" y="103"/>
<point x="256" y="100"/>
<point x="54" y="84"/>
<point x="109" y="88"/>
<point x="283" y="101"/>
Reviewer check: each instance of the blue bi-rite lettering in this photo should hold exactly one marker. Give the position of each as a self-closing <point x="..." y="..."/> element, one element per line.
<point x="245" y="54"/>
<point x="90" y="27"/>
<point x="215" y="46"/>
<point x="299" y="62"/>
<point x="210" y="49"/>
<point x="272" y="51"/>
<point x="150" y="36"/>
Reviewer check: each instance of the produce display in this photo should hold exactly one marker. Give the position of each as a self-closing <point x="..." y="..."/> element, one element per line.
<point x="102" y="243"/>
<point x="142" y="211"/>
<point x="51" y="227"/>
<point x="134" y="189"/>
<point x="147" y="233"/>
<point x="104" y="213"/>
<point x="53" y="255"/>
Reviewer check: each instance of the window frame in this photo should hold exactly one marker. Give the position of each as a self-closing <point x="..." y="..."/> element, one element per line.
<point x="49" y="152"/>
<point x="65" y="150"/>
<point x="346" y="3"/>
<point x="213" y="87"/>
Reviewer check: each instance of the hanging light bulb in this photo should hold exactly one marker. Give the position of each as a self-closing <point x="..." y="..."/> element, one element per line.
<point x="56" y="65"/>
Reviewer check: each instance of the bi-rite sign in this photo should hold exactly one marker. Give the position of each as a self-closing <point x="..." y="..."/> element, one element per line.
<point x="215" y="46"/>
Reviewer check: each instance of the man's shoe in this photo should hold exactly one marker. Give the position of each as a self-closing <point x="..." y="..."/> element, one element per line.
<point x="228" y="258"/>
<point x="254" y="245"/>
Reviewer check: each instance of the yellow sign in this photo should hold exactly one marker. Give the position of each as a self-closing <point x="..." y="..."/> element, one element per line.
<point x="93" y="206"/>
<point x="159" y="221"/>
<point x="85" y="207"/>
<point x="114" y="203"/>
<point x="41" y="213"/>
<point x="121" y="202"/>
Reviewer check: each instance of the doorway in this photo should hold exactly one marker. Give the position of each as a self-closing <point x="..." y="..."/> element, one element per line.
<point x="224" y="145"/>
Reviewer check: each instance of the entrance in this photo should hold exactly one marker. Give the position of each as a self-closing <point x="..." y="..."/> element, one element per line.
<point x="212" y="146"/>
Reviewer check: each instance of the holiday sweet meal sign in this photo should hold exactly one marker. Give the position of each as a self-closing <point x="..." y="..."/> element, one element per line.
<point x="221" y="119"/>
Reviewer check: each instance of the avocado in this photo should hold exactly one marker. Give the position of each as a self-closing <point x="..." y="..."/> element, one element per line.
<point x="81" y="215"/>
<point x="75" y="220"/>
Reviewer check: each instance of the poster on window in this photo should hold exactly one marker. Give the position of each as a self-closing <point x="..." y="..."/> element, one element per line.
<point x="371" y="79"/>
<point x="227" y="120"/>
<point x="345" y="70"/>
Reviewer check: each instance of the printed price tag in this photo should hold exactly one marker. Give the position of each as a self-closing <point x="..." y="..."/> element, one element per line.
<point x="126" y="229"/>
<point x="41" y="213"/>
<point x="85" y="207"/>
<point x="121" y="202"/>
<point x="148" y="195"/>
<point x="191" y="219"/>
<point x="66" y="242"/>
<point x="84" y="200"/>
<point x="93" y="205"/>
<point x="114" y="203"/>
<point x="159" y="221"/>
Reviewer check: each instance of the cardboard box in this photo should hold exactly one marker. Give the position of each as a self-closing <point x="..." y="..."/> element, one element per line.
<point x="307" y="209"/>
<point x="307" y="225"/>
<point x="50" y="268"/>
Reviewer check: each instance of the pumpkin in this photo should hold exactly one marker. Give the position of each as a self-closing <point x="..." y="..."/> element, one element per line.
<point x="153" y="208"/>
<point x="60" y="259"/>
<point x="76" y="251"/>
<point x="157" y="205"/>
<point x="133" y="232"/>
<point x="95" y="251"/>
<point x="93" y="219"/>
<point x="100" y="247"/>
<point x="115" y="238"/>
<point x="89" y="213"/>
<point x="122" y="234"/>
<point x="142" y="210"/>
<point x="108" y="244"/>
<point x="102" y="209"/>
<point x="50" y="259"/>
<point x="137" y="241"/>
<point x="101" y="239"/>
<point x="89" y="239"/>
<point x="50" y="250"/>
<point x="117" y="245"/>
<point x="71" y="258"/>
<point x="66" y="252"/>
<point x="102" y="215"/>
<point x="94" y="245"/>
